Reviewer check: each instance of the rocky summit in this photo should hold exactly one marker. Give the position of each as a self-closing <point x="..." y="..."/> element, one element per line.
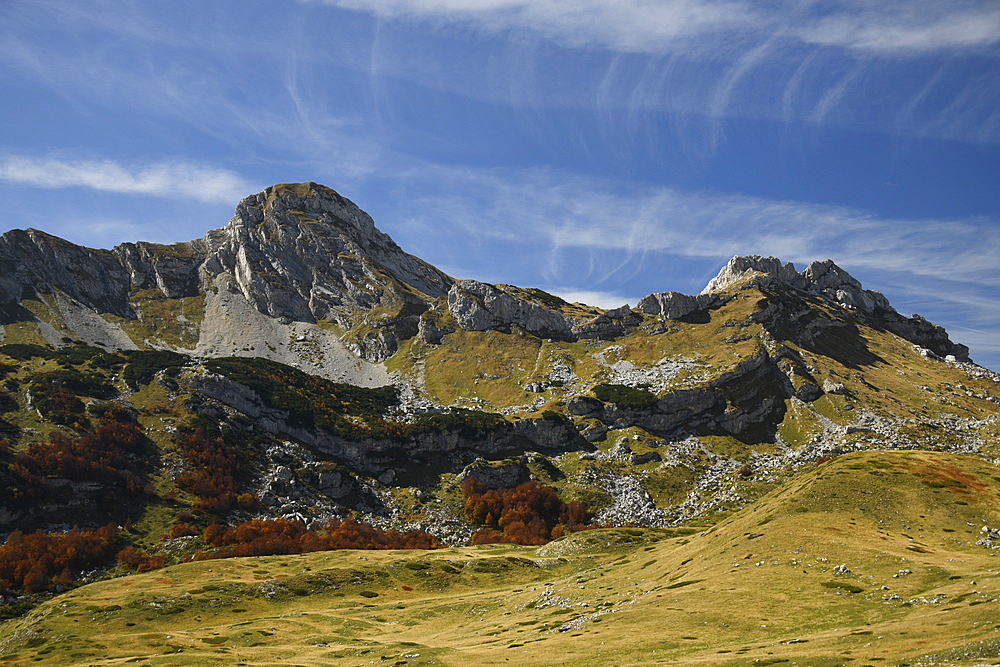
<point x="294" y="382"/>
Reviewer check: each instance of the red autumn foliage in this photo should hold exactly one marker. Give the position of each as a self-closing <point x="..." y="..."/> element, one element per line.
<point x="98" y="456"/>
<point x="106" y="455"/>
<point x="41" y="561"/>
<point x="180" y="530"/>
<point x="527" y="514"/>
<point x="139" y="560"/>
<point x="214" y="464"/>
<point x="268" y="537"/>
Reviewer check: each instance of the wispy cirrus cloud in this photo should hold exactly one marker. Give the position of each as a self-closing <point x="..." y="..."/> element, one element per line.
<point x="656" y="26"/>
<point x="164" y="179"/>
<point x="606" y="243"/>
<point x="560" y="214"/>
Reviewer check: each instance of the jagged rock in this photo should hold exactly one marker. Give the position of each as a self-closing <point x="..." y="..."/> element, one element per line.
<point x="477" y="306"/>
<point x="820" y="277"/>
<point x="677" y="306"/>
<point x="607" y="325"/>
<point x="582" y="405"/>
<point x="826" y="279"/>
<point x="504" y="475"/>
<point x="740" y="266"/>
<point x="594" y="433"/>
<point x="808" y="392"/>
<point x="648" y="457"/>
<point x="292" y="253"/>
<point x="838" y="285"/>
<point x="430" y="333"/>
<point x="831" y="387"/>
<point x="377" y="456"/>
<point x="747" y="403"/>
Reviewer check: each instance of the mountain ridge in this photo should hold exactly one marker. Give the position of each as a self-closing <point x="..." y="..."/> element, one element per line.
<point x="294" y="381"/>
<point x="303" y="253"/>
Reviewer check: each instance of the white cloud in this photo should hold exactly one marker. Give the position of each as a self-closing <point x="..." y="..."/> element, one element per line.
<point x="630" y="25"/>
<point x="914" y="27"/>
<point x="657" y="26"/>
<point x="168" y="179"/>
<point x="556" y="213"/>
<point x="593" y="297"/>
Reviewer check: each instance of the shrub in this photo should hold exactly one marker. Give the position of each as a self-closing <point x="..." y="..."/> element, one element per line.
<point x="106" y="455"/>
<point x="58" y="405"/>
<point x="138" y="560"/>
<point x="624" y="396"/>
<point x="80" y="382"/>
<point x="80" y="353"/>
<point x="530" y="513"/>
<point x="268" y="537"/>
<point x="41" y="561"/>
<point x="99" y="456"/>
<point x="214" y="465"/>
<point x="25" y="351"/>
<point x="143" y="365"/>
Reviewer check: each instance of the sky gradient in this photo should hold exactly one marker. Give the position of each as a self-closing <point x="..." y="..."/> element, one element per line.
<point x="601" y="150"/>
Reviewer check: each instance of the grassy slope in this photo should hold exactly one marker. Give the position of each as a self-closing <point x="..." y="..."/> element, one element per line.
<point x="758" y="588"/>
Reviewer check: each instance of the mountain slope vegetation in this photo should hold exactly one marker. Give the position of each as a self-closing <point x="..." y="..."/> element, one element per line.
<point x="233" y="407"/>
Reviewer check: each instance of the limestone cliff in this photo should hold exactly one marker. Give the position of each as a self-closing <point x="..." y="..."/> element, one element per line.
<point x="302" y="275"/>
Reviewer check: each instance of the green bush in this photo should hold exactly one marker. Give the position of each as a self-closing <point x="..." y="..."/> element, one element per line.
<point x="25" y="351"/>
<point x="143" y="365"/>
<point x="624" y="396"/>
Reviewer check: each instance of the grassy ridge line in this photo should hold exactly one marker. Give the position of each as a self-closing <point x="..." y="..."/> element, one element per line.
<point x="758" y="588"/>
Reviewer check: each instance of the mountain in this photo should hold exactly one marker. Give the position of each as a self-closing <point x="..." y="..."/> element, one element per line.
<point x="262" y="389"/>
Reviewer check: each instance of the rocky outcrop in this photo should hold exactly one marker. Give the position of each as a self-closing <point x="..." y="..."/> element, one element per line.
<point x="496" y="475"/>
<point x="820" y="277"/>
<point x="677" y="306"/>
<point x="742" y="266"/>
<point x="34" y="263"/>
<point x="305" y="253"/>
<point x="392" y="460"/>
<point x="747" y="403"/>
<point x="608" y="325"/>
<point x="826" y="280"/>
<point x="477" y="306"/>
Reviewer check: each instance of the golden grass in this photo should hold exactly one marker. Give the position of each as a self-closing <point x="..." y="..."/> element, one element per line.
<point x="758" y="588"/>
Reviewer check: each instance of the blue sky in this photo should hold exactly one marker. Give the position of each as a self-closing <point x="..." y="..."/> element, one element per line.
<point x="601" y="149"/>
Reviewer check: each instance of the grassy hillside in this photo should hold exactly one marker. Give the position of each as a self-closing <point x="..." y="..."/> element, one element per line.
<point x="762" y="587"/>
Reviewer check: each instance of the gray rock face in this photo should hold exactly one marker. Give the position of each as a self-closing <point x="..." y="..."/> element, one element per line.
<point x="608" y="325"/>
<point x="820" y="277"/>
<point x="677" y="306"/>
<point x="740" y="266"/>
<point x="294" y="253"/>
<point x="312" y="254"/>
<point x="33" y="263"/>
<point x="746" y="403"/>
<point x="379" y="457"/>
<point x="826" y="279"/>
<point x="477" y="306"/>
<point x="496" y="476"/>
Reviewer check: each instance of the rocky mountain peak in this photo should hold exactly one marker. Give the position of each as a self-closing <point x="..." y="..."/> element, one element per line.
<point x="742" y="265"/>
<point x="820" y="277"/>
<point x="826" y="279"/>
